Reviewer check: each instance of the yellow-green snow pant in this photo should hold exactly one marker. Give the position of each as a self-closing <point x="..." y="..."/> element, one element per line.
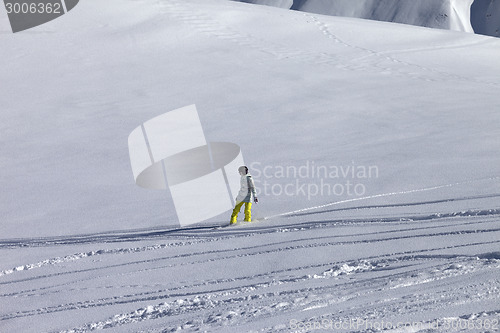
<point x="236" y="210"/>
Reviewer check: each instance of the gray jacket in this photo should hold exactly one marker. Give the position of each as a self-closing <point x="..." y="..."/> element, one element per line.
<point x="247" y="189"/>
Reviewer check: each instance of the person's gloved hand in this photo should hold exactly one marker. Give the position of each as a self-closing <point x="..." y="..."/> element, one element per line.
<point x="256" y="200"/>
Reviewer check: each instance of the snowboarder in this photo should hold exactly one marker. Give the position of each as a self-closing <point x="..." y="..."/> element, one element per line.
<point x="245" y="196"/>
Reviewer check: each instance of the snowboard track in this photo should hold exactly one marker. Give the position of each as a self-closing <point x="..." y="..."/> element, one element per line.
<point x="152" y="233"/>
<point x="212" y="301"/>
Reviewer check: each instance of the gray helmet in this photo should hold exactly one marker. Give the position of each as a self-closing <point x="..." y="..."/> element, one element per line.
<point x="243" y="169"/>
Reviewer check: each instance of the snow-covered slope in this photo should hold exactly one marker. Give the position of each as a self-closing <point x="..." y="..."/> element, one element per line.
<point x="483" y="17"/>
<point x="84" y="248"/>
<point x="368" y="93"/>
<point x="442" y="14"/>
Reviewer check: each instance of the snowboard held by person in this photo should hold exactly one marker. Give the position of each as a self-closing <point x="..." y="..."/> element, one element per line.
<point x="245" y="196"/>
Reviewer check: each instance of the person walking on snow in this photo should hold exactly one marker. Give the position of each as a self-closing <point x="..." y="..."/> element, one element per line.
<point x="245" y="196"/>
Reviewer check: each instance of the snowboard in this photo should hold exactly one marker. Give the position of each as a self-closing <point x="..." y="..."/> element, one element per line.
<point x="238" y="223"/>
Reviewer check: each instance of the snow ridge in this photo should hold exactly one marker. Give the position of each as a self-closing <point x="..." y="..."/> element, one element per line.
<point x="479" y="16"/>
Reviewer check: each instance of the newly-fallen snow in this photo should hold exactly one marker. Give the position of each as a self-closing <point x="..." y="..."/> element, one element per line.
<point x="83" y="248"/>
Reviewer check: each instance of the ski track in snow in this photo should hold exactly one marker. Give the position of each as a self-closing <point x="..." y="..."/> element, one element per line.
<point x="368" y="60"/>
<point x="221" y="302"/>
<point x="405" y="68"/>
<point x="426" y="189"/>
<point x="253" y="300"/>
<point x="122" y="236"/>
<point x="225" y="301"/>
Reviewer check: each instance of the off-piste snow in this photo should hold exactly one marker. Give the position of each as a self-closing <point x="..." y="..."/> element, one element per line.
<point x="405" y="239"/>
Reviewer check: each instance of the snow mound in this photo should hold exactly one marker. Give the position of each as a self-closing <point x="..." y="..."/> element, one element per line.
<point x="346" y="269"/>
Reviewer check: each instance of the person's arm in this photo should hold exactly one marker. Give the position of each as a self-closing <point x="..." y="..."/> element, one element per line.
<point x="251" y="187"/>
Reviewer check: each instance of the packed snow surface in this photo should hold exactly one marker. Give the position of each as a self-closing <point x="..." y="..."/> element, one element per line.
<point x="374" y="147"/>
